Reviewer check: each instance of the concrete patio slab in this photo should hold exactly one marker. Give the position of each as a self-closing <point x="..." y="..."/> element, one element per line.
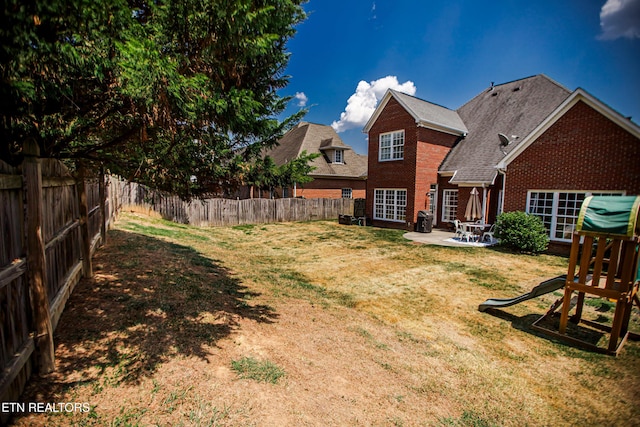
<point x="441" y="238"/>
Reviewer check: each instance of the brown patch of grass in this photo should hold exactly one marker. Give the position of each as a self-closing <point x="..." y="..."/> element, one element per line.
<point x="368" y="328"/>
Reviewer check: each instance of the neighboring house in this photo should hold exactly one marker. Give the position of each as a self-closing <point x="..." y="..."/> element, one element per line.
<point x="339" y="171"/>
<point x="529" y="145"/>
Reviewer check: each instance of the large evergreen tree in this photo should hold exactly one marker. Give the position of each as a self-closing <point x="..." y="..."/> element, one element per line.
<point x="176" y="94"/>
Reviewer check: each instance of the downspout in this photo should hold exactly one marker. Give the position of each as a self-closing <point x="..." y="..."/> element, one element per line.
<point x="503" y="172"/>
<point x="484" y="204"/>
<point x="295" y="190"/>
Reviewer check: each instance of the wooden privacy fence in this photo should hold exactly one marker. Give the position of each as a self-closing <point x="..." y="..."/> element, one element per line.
<point x="51" y="224"/>
<point x="224" y="212"/>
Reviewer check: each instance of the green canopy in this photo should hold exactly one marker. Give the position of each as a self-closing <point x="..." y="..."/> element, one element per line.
<point x="610" y="215"/>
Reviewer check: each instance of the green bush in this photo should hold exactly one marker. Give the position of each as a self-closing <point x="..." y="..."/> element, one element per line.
<point x="522" y="231"/>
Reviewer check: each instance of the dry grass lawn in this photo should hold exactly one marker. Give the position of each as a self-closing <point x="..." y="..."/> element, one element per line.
<point x="320" y="324"/>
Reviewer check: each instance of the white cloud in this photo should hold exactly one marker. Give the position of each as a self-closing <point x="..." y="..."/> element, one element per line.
<point x="302" y="99"/>
<point x="620" y="18"/>
<point x="362" y="104"/>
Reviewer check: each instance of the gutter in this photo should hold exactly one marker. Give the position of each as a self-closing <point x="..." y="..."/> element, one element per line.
<point x="442" y="128"/>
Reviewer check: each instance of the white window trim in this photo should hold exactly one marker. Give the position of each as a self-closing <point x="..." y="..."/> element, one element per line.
<point x="350" y="192"/>
<point x="392" y="146"/>
<point x="395" y="204"/>
<point x="336" y="154"/>
<point x="444" y="204"/>
<point x="433" y="202"/>
<point x="555" y="205"/>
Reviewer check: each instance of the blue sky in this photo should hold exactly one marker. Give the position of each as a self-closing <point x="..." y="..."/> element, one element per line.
<point x="349" y="52"/>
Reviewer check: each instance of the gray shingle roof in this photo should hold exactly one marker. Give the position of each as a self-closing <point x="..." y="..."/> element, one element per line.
<point x="315" y="138"/>
<point x="513" y="109"/>
<point x="431" y="115"/>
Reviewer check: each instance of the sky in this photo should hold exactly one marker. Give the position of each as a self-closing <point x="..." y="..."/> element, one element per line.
<point x="347" y="53"/>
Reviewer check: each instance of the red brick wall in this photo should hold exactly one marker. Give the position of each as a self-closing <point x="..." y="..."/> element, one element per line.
<point x="398" y="174"/>
<point x="432" y="148"/>
<point x="424" y="150"/>
<point x="583" y="150"/>
<point x="327" y="188"/>
<point x="319" y="188"/>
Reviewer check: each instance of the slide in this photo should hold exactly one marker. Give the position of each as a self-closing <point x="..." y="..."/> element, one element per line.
<point x="543" y="288"/>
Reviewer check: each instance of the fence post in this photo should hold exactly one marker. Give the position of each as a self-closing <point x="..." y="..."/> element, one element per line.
<point x="103" y="207"/>
<point x="36" y="261"/>
<point x="87" y="269"/>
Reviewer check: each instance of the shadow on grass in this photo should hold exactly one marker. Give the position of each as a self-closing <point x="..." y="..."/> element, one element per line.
<point x="150" y="301"/>
<point x="525" y="324"/>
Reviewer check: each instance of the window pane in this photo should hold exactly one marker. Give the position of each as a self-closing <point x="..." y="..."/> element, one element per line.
<point x="559" y="211"/>
<point x="541" y="205"/>
<point x="390" y="204"/>
<point x="398" y="152"/>
<point x="401" y="205"/>
<point x="449" y="205"/>
<point x="568" y="209"/>
<point x="391" y="146"/>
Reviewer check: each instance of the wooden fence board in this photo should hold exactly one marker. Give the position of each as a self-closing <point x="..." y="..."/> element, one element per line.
<point x="63" y="241"/>
<point x="226" y="212"/>
<point x="62" y="266"/>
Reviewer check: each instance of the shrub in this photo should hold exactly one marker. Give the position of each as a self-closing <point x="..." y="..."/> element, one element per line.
<point x="522" y="231"/>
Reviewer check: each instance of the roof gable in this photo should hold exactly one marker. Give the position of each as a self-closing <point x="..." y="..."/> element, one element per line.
<point x="316" y="138"/>
<point x="424" y="113"/>
<point x="577" y="96"/>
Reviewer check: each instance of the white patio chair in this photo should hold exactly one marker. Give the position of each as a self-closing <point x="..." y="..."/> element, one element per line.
<point x="489" y="234"/>
<point x="461" y="231"/>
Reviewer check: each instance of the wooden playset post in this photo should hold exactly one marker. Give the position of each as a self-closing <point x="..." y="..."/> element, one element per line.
<point x="620" y="254"/>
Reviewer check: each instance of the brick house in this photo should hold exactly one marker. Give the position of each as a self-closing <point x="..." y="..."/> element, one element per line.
<point x="339" y="171"/>
<point x="529" y="145"/>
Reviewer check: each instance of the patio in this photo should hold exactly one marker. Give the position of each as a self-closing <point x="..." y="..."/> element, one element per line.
<point x="442" y="237"/>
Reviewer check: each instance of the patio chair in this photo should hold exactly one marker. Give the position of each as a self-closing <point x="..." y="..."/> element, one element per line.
<point x="489" y="234"/>
<point x="461" y="231"/>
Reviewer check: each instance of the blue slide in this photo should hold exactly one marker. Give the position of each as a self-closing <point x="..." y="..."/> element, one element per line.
<point x="543" y="288"/>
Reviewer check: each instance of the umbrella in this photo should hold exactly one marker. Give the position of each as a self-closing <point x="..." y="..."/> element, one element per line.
<point x="474" y="207"/>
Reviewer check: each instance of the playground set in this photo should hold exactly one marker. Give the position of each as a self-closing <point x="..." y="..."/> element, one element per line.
<point x="603" y="263"/>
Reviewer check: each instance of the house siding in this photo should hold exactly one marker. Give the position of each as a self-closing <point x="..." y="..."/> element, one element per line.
<point x="397" y="174"/>
<point x="329" y="188"/>
<point x="432" y="148"/>
<point x="583" y="150"/>
<point x="424" y="151"/>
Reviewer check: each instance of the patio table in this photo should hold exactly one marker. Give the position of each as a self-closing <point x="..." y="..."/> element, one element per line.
<point x="475" y="228"/>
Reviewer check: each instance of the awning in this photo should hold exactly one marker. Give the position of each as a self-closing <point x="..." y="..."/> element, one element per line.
<point x="609" y="215"/>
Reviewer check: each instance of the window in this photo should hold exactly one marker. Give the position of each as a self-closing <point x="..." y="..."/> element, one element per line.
<point x="338" y="156"/>
<point x="391" y="146"/>
<point x="449" y="205"/>
<point x="390" y="205"/>
<point x="347" y="193"/>
<point x="559" y="210"/>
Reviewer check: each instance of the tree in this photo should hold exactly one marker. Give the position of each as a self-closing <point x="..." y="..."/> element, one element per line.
<point x="265" y="175"/>
<point x="57" y="73"/>
<point x="176" y="94"/>
<point x="297" y="170"/>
